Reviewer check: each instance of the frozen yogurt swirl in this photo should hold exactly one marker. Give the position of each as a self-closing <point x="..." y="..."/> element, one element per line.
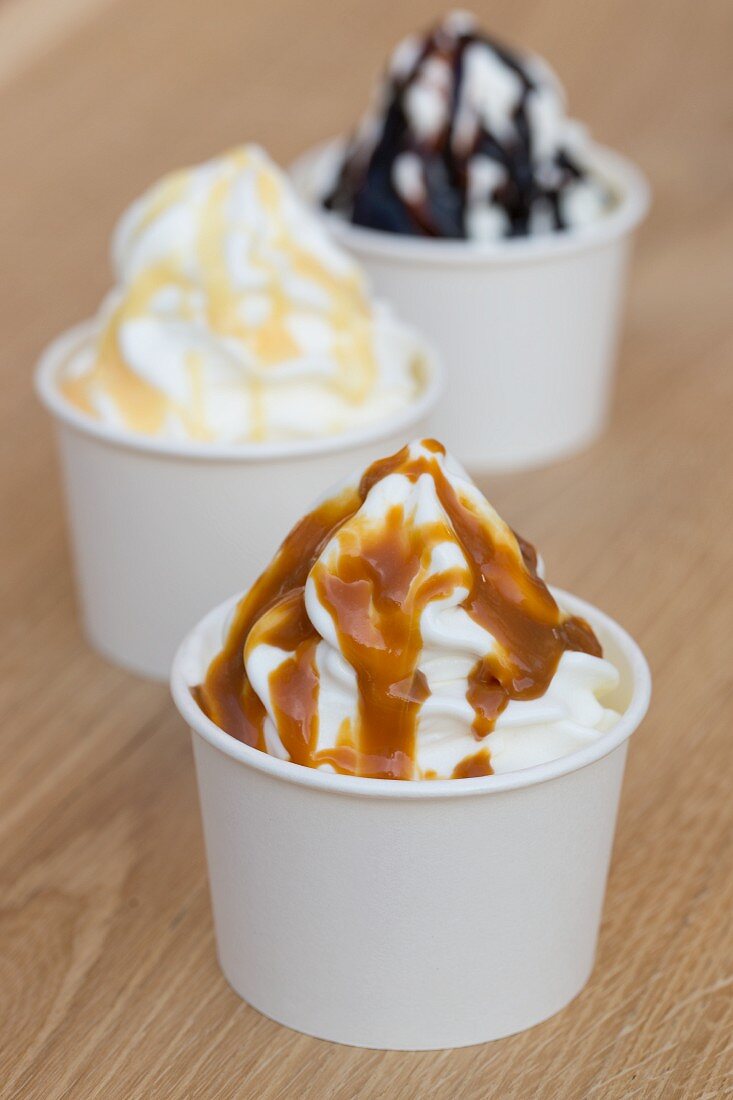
<point x="467" y="139"/>
<point x="402" y="631"/>
<point x="236" y="319"/>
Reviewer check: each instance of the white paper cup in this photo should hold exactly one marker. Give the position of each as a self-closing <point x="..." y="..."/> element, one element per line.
<point x="161" y="531"/>
<point x="408" y="916"/>
<point x="527" y="328"/>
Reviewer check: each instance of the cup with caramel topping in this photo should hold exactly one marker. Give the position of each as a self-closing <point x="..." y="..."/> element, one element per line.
<point x="237" y="366"/>
<point x="487" y="216"/>
<point x="409" y="753"/>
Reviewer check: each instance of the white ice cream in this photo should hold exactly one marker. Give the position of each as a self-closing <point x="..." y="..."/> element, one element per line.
<point x="528" y="732"/>
<point x="235" y="318"/>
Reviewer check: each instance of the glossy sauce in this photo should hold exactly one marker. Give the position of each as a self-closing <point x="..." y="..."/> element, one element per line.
<point x="375" y="588"/>
<point x="365" y="190"/>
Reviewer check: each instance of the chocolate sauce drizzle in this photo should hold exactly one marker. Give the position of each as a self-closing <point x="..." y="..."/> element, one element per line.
<point x="375" y="589"/>
<point x="365" y="193"/>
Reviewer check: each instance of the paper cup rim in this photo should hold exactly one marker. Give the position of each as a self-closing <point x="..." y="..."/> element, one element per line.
<point x="403" y="420"/>
<point x="623" y="174"/>
<point x="362" y="786"/>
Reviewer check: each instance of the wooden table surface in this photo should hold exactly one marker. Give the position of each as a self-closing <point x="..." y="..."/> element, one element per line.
<point x="108" y="983"/>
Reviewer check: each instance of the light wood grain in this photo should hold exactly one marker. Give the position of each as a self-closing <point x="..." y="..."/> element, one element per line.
<point x="108" y="980"/>
<point x="28" y="28"/>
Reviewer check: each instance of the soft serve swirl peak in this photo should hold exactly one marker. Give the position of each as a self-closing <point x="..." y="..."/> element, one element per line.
<point x="236" y="319"/>
<point x="466" y="138"/>
<point x="402" y="631"/>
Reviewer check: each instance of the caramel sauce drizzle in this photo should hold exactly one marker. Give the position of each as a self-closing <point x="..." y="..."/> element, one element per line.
<point x="472" y="766"/>
<point x="375" y="589"/>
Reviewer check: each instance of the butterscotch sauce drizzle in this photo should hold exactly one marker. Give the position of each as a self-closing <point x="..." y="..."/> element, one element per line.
<point x="375" y="589"/>
<point x="346" y="309"/>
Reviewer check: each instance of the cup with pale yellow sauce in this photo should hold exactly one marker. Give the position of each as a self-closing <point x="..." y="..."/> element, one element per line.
<point x="409" y="754"/>
<point x="236" y="367"/>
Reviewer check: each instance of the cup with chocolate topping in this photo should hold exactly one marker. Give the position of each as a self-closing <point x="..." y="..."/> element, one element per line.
<point x="409" y="754"/>
<point x="487" y="216"/>
<point x="237" y="365"/>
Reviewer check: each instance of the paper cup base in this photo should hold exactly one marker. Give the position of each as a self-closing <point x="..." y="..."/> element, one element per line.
<point x="408" y="916"/>
<point x="412" y="1046"/>
<point x="480" y="922"/>
<point x="416" y="1046"/>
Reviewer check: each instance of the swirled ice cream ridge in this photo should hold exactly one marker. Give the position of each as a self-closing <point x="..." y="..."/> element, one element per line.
<point x="324" y="688"/>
